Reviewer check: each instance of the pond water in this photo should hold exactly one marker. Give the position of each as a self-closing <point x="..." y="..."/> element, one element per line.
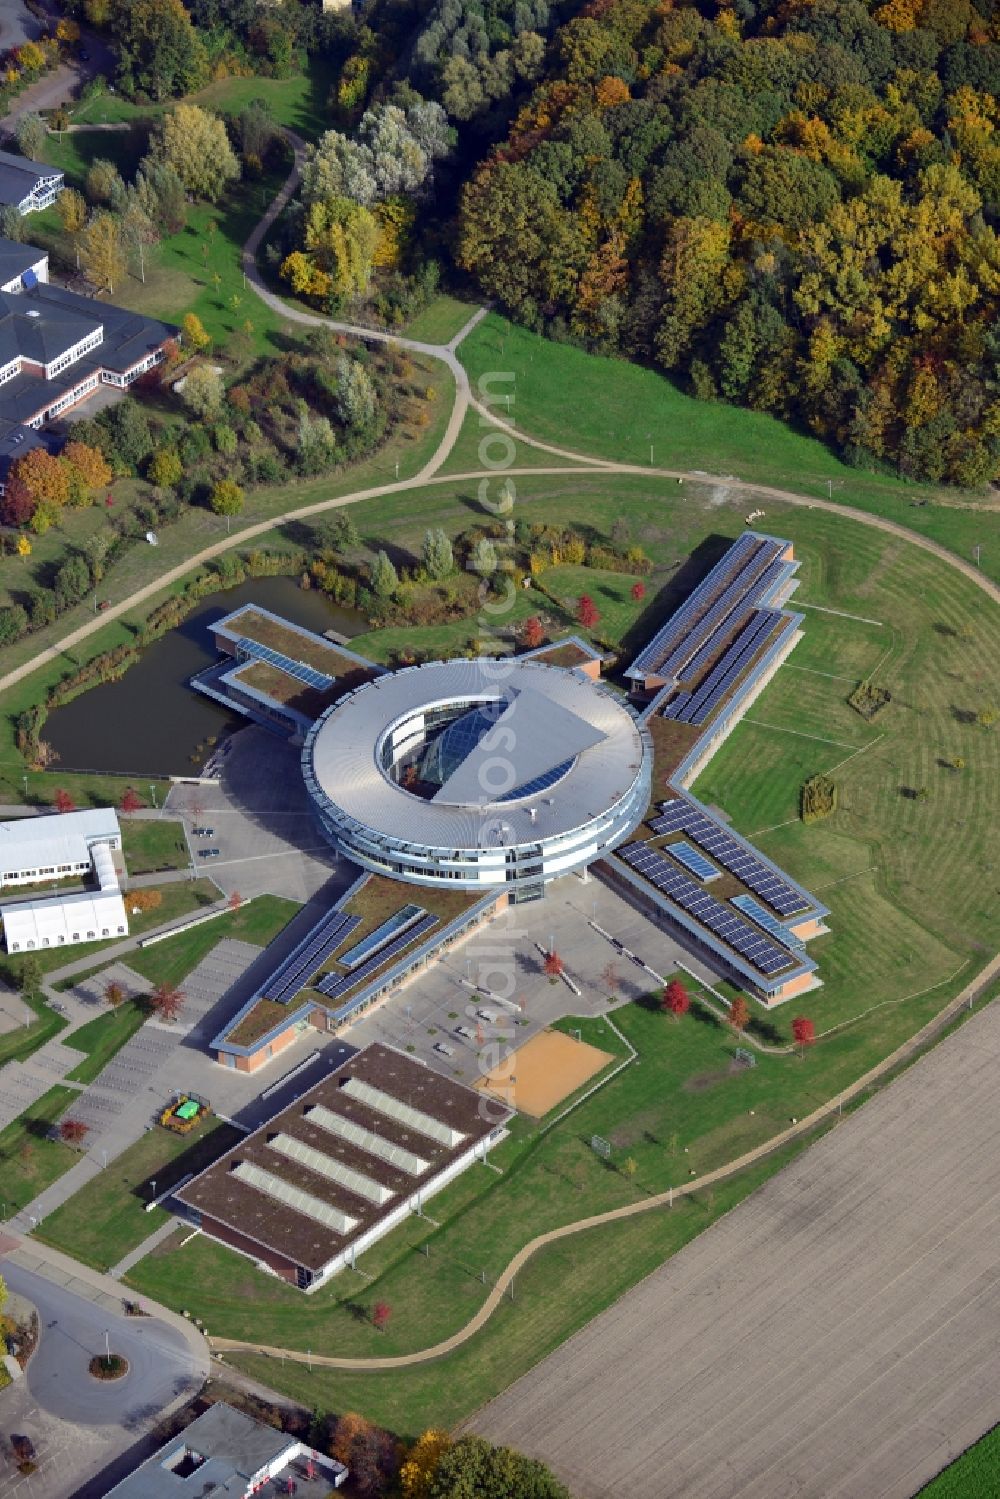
<point x="152" y="722"/>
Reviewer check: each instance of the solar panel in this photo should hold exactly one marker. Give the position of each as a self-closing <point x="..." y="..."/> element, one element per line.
<point x="311" y="953"/>
<point x="405" y="917"/>
<point x="367" y="1140"/>
<point x="764" y="955"/>
<point x="679" y="625"/>
<point x="294" y="1197"/>
<point x="767" y="920"/>
<point x="403" y="1113"/>
<point x="721" y="611"/>
<point x="692" y="860"/>
<point x="336" y="984"/>
<point x="252" y="649"/>
<point x="680" y="816"/>
<point x="334" y="1170"/>
<point x="727" y="669"/>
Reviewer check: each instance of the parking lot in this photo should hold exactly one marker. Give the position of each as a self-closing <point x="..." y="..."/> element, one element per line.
<point x="498" y="972"/>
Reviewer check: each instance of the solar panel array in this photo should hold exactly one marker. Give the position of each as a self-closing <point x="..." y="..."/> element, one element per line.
<point x="767" y="920"/>
<point x="252" y="649"/>
<point x="367" y="1140"/>
<point x="680" y="625"/>
<point x="680" y="816"/>
<point x="336" y="984"/>
<point x="694" y="707"/>
<point x="693" y="860"/>
<point x="293" y="1197"/>
<point x="332" y="1170"/>
<point x="312" y="952"/>
<point x="763" y="954"/>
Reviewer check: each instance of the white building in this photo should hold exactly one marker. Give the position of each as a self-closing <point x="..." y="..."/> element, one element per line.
<point x="55" y="847"/>
<point x="63" y="846"/>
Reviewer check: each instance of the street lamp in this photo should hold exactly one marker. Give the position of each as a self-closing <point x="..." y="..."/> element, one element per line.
<point x="976" y="552"/>
<point x="152" y="792"/>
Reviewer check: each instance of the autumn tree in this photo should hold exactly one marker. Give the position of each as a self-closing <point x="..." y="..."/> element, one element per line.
<point x="195" y="336"/>
<point x="166" y="1001"/>
<point x="371" y="1453"/>
<point x="638" y="591"/>
<point x="102" y="253"/>
<point x="90" y="469"/>
<point x="194" y="144"/>
<point x="114" y="994"/>
<point x="165" y="468"/>
<point x="586" y="612"/>
<point x="676" y="999"/>
<point x="132" y="801"/>
<point x="381" y="1314"/>
<point x="73" y="1131"/>
<point x="803" y="1033"/>
<point x="44" y="477"/>
<point x="553" y="965"/>
<point x="421" y="1463"/>
<point x="532" y="633"/>
<point x="103" y="183"/>
<point x="63" y="802"/>
<point x="71" y="207"/>
<point x="235" y="900"/>
<point x="739" y="1013"/>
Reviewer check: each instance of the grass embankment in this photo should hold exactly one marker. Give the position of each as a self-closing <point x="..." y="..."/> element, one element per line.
<point x="29" y="1160"/>
<point x="974" y="1475"/>
<point x="108" y="1217"/>
<point x="18" y="1044"/>
<point x="608" y="408"/>
<point x="151" y="846"/>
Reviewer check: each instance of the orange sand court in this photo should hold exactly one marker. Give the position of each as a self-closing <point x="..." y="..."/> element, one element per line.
<point x="543" y="1072"/>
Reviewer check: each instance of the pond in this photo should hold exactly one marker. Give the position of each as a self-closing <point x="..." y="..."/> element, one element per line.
<point x="152" y="722"/>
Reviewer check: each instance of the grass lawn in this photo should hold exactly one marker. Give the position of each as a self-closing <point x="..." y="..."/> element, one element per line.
<point x="975" y="1473"/>
<point x="153" y="845"/>
<point x="612" y="409"/>
<point x="20" y="1043"/>
<point x="299" y="102"/>
<point x="101" y="1037"/>
<point x="30" y="1161"/>
<point x="107" y="1217"/>
<point x="441" y="320"/>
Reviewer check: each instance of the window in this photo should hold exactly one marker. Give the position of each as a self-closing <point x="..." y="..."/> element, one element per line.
<point x="76" y="936"/>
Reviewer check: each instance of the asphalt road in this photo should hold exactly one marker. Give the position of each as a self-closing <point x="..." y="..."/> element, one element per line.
<point x="72" y="1332"/>
<point x="835" y="1337"/>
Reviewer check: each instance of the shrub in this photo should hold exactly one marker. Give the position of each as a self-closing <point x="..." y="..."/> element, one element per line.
<point x="818" y="798"/>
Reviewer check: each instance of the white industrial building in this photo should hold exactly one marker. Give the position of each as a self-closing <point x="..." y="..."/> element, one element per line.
<point x="62" y="846"/>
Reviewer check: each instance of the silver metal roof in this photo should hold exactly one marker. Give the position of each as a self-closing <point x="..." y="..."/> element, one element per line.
<point x="557" y="715"/>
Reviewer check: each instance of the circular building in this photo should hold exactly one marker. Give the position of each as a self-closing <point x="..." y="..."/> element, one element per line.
<point x="478" y="774"/>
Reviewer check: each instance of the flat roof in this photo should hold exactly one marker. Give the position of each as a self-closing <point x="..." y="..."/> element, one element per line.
<point x="63" y="919"/>
<point x="59" y="838"/>
<point x="233" y="1446"/>
<point x="392" y="1116"/>
<point x="552" y="716"/>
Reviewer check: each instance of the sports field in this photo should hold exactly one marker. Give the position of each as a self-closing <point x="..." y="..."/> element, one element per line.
<point x="544" y="1071"/>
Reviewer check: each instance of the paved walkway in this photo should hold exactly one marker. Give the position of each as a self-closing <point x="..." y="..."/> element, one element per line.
<point x="973" y="991"/>
<point x="117" y="1272"/>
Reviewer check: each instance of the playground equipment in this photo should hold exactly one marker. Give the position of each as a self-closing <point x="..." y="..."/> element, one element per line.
<point x="184" y="1111"/>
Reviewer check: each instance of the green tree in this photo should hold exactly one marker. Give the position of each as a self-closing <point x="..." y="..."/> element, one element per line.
<point x="384" y="578"/>
<point x="195" y="145"/>
<point x="483" y="557"/>
<point x="357" y="401"/>
<point x="338" y="532"/>
<point x="165" y="468"/>
<point x="103" y="183"/>
<point x="203" y="391"/>
<point x="473" y="1469"/>
<point x="227" y="498"/>
<point x="31" y="132"/>
<point x="13" y="623"/>
<point x="160" y="51"/>
<point x="438" y="558"/>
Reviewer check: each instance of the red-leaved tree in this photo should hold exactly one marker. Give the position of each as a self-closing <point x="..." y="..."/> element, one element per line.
<point x="739" y="1013"/>
<point x="131" y="801"/>
<point x="638" y="592"/>
<point x="166" y="1001"/>
<point x="235" y="901"/>
<point x="64" y="802"/>
<point x="587" y="612"/>
<point x="381" y="1313"/>
<point x="73" y="1131"/>
<point x="114" y="994"/>
<point x="803" y="1032"/>
<point x="532" y="634"/>
<point x="553" y="964"/>
<point x="676" y="999"/>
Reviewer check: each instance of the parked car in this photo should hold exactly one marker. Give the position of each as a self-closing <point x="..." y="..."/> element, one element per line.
<point x="203" y="832"/>
<point x="208" y="853"/>
<point x="444" y="1048"/>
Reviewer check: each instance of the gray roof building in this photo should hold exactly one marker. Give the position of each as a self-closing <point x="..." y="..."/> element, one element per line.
<point x="28" y="185"/>
<point x="21" y="265"/>
<point x="224" y="1454"/>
